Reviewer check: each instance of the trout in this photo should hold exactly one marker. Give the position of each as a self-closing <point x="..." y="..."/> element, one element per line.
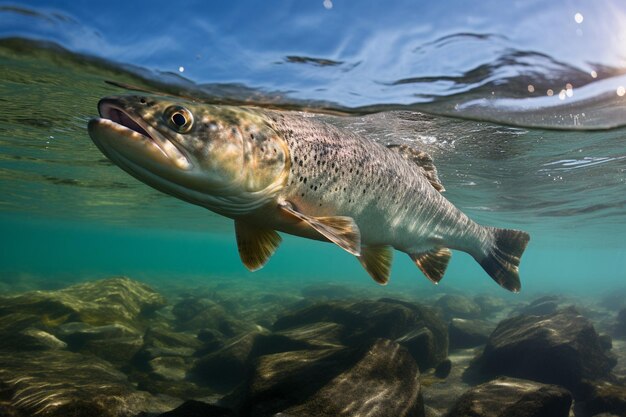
<point x="282" y="171"/>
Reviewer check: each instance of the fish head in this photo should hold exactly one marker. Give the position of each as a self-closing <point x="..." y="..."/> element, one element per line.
<point x="226" y="158"/>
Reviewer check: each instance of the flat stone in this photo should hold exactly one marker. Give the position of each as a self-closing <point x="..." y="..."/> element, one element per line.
<point x="77" y="334"/>
<point x="283" y="379"/>
<point x="458" y="306"/>
<point x="562" y="348"/>
<point x="58" y="383"/>
<point x="163" y="337"/>
<point x="606" y="397"/>
<point x="385" y="382"/>
<point x="414" y="326"/>
<point x="96" y="303"/>
<point x="115" y="343"/>
<point x="510" y="397"/>
<point x="169" y="368"/>
<point x="193" y="408"/>
<point x="322" y="335"/>
<point x="30" y="339"/>
<point x="466" y="333"/>
<point x="380" y="381"/>
<point x="195" y="314"/>
<point x="159" y="342"/>
<point x="542" y="306"/>
<point x="118" y="351"/>
<point x="490" y="304"/>
<point x="226" y="368"/>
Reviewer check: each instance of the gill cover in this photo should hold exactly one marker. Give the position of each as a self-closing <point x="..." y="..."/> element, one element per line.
<point x="230" y="146"/>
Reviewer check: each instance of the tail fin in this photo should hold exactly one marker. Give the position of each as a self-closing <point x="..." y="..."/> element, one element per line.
<point x="502" y="260"/>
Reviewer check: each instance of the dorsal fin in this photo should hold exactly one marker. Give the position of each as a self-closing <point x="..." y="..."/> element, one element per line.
<point x="423" y="160"/>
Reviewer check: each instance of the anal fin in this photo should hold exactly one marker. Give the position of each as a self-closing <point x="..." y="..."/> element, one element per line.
<point x="340" y="230"/>
<point x="377" y="262"/>
<point x="256" y="245"/>
<point x="432" y="263"/>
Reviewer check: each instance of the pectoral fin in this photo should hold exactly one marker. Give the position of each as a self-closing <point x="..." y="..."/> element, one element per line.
<point x="377" y="262"/>
<point x="340" y="230"/>
<point x="256" y="245"/>
<point x="432" y="263"/>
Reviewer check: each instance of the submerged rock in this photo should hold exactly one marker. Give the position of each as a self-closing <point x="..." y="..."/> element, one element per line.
<point x="466" y="333"/>
<point x="443" y="369"/>
<point x="280" y="380"/>
<point x="562" y="348"/>
<point x="78" y="334"/>
<point x="458" y="306"/>
<point x="164" y="362"/>
<point x="195" y="314"/>
<point x="105" y="318"/>
<point x="417" y="328"/>
<point x="30" y="339"/>
<point x="382" y="381"/>
<point x="116" y="343"/>
<point x="620" y="326"/>
<point x="226" y="368"/>
<point x="193" y="408"/>
<point x="490" y="304"/>
<point x="606" y="397"/>
<point x="314" y="336"/>
<point x="62" y="383"/>
<point x="118" y="351"/>
<point x="170" y="368"/>
<point x="97" y="303"/>
<point x="211" y="340"/>
<point x="510" y="397"/>
<point x="542" y="306"/>
<point x="159" y="342"/>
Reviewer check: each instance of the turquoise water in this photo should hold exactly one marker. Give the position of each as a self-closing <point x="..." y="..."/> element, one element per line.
<point x="67" y="213"/>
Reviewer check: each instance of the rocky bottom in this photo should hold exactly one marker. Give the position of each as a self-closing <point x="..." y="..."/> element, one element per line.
<point x="117" y="347"/>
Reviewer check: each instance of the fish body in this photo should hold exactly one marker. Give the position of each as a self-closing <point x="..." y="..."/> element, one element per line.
<point x="389" y="197"/>
<point x="284" y="171"/>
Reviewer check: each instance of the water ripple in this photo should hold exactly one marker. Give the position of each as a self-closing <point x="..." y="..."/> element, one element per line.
<point x="587" y="161"/>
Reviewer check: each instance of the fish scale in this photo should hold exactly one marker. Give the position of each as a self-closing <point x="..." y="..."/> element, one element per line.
<point x="382" y="191"/>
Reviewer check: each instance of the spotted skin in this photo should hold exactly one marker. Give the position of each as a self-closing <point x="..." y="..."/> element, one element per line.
<point x="336" y="172"/>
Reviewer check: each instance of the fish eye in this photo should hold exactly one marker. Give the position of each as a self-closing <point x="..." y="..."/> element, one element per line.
<point x="179" y="118"/>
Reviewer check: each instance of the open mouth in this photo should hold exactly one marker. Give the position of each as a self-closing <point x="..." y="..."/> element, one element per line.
<point x="138" y="134"/>
<point x="109" y="111"/>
